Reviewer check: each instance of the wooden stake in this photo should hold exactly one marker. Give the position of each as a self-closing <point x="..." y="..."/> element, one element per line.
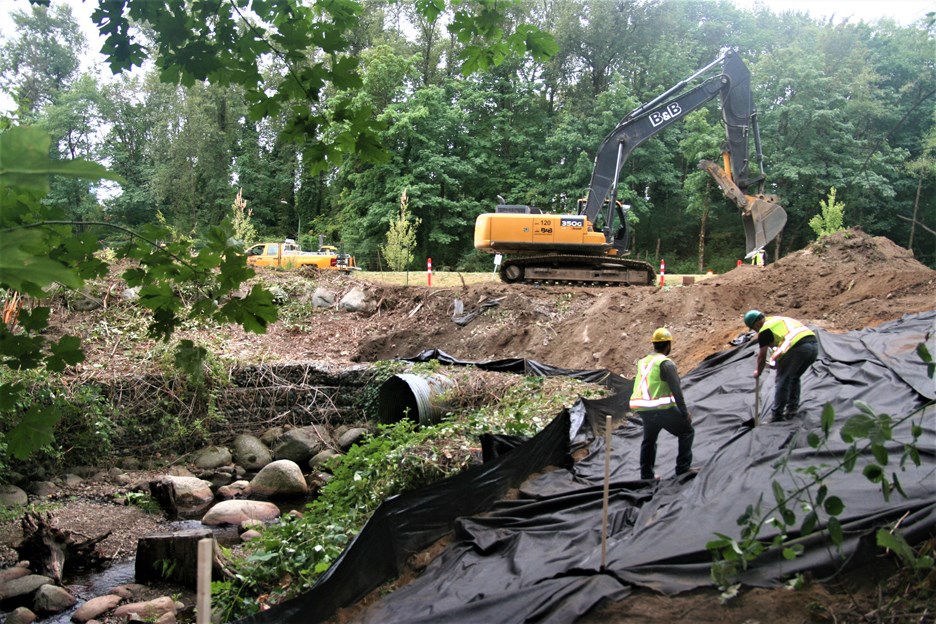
<point x="607" y="484"/>
<point x="203" y="595"/>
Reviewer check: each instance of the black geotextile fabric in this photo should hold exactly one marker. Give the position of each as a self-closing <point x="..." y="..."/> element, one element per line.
<point x="537" y="558"/>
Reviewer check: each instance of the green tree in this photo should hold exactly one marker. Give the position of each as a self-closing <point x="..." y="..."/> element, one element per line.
<point x="42" y="61"/>
<point x="241" y="225"/>
<point x="401" y="238"/>
<point x="830" y="218"/>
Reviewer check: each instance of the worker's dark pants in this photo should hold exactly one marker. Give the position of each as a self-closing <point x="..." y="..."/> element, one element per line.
<point x="790" y="368"/>
<point x="673" y="421"/>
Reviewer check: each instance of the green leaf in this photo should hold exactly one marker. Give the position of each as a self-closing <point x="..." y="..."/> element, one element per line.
<point x="190" y="358"/>
<point x="857" y="427"/>
<point x="22" y="269"/>
<point x="895" y="543"/>
<point x="827" y="419"/>
<point x="813" y="439"/>
<point x="873" y="473"/>
<point x="809" y="523"/>
<point x="25" y="162"/>
<point x="33" y="432"/>
<point x="898" y="486"/>
<point x="835" y="531"/>
<point x="66" y="352"/>
<point x="778" y="492"/>
<point x="834" y="506"/>
<point x="254" y="312"/>
<point x="880" y="453"/>
<point x="850" y="458"/>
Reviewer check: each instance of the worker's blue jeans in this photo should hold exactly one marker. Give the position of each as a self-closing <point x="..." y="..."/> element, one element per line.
<point x="674" y="422"/>
<point x="790" y="368"/>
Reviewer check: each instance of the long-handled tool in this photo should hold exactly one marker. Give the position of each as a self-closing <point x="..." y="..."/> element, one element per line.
<point x="756" y="400"/>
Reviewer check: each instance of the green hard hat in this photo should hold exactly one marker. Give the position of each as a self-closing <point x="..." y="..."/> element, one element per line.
<point x="751" y="316"/>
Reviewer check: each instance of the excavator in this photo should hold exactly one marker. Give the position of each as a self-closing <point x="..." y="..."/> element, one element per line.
<point x="570" y="248"/>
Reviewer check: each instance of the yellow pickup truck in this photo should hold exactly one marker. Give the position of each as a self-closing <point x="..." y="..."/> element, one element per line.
<point x="288" y="255"/>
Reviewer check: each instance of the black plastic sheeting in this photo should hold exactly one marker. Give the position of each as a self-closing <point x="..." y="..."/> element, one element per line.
<point x="537" y="558"/>
<point x="530" y="368"/>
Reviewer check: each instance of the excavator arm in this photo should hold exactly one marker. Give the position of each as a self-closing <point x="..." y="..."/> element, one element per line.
<point x="762" y="216"/>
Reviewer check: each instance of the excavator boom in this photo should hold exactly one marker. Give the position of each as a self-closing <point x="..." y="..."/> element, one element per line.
<point x="762" y="216"/>
<point x="572" y="248"/>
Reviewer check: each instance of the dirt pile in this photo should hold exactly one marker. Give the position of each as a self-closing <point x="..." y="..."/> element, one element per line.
<point x="850" y="281"/>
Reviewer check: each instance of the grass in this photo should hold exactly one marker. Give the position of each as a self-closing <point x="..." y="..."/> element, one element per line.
<point x="450" y="279"/>
<point x="440" y="279"/>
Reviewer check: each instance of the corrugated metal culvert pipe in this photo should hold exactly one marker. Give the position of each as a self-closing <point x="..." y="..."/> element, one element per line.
<point x="415" y="397"/>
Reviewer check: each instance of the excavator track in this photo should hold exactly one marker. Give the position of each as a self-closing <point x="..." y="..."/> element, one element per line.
<point x="577" y="269"/>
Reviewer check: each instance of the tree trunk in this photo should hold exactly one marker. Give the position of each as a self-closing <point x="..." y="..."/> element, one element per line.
<point x="49" y="548"/>
<point x="916" y="208"/>
<point x="704" y="220"/>
<point x="170" y="557"/>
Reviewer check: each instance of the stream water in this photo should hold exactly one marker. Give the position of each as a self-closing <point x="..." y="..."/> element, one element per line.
<point x="87" y="585"/>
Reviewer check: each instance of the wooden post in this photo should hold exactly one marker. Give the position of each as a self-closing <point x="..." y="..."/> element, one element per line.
<point x="203" y="592"/>
<point x="604" y="502"/>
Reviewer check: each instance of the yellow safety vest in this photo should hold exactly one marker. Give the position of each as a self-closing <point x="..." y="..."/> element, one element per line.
<point x="786" y="332"/>
<point x="651" y="392"/>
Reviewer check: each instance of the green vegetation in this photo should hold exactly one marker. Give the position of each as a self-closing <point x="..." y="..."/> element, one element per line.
<point x="401" y="239"/>
<point x="397" y="458"/>
<point x="808" y="505"/>
<point x="830" y="218"/>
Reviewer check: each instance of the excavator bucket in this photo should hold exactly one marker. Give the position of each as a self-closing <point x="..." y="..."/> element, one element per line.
<point x="763" y="221"/>
<point x="762" y="216"/>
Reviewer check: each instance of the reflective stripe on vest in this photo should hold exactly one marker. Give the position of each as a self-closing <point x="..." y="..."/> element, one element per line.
<point x="786" y="332"/>
<point x="651" y="392"/>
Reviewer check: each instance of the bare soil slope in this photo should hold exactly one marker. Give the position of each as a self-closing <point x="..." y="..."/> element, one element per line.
<point x="849" y="282"/>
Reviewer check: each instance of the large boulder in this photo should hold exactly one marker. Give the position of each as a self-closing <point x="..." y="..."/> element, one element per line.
<point x="12" y="496"/>
<point x="19" y="591"/>
<point x="235" y="491"/>
<point x="251" y="453"/>
<point x="20" y="570"/>
<point x="149" y="610"/>
<point x="302" y="443"/>
<point x="213" y="457"/>
<point x="95" y="607"/>
<point x="239" y="511"/>
<point x="323" y="298"/>
<point x="320" y="458"/>
<point x="351" y="437"/>
<point x="20" y="615"/>
<point x="52" y="599"/>
<point x="279" y="479"/>
<point x="356" y="300"/>
<point x="186" y="496"/>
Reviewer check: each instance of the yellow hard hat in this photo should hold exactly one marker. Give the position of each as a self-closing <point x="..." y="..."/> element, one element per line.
<point x="661" y="335"/>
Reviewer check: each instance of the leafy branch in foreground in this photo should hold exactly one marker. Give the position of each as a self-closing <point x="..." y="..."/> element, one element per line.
<point x="868" y="434"/>
<point x="40" y="248"/>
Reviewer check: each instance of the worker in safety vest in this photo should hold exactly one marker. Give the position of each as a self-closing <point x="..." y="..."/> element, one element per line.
<point x="658" y="400"/>
<point x="795" y="348"/>
<point x="758" y="258"/>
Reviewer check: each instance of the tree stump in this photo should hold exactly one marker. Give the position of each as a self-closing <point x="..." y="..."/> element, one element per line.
<point x="170" y="557"/>
<point x="49" y="548"/>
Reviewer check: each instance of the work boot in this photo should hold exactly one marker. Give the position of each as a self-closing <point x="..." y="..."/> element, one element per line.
<point x="775" y="417"/>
